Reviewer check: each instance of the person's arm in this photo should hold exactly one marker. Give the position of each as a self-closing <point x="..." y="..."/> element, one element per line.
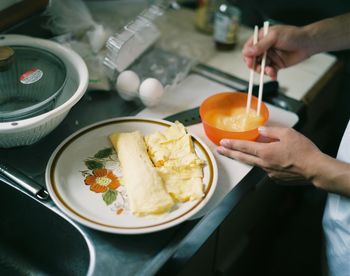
<point x="291" y="156"/>
<point x="331" y="34"/>
<point x="331" y="175"/>
<point x="289" y="45"/>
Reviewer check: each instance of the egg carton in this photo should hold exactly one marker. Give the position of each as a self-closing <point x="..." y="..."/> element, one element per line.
<point x="167" y="67"/>
<point x="124" y="47"/>
<point x="156" y="72"/>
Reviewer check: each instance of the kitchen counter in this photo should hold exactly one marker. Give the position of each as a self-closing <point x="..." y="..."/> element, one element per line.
<point x="300" y="82"/>
<point x="169" y="250"/>
<point x="135" y="254"/>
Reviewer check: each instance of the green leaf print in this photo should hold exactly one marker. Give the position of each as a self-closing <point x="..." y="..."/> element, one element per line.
<point x="110" y="196"/>
<point x="92" y="164"/>
<point x="104" y="153"/>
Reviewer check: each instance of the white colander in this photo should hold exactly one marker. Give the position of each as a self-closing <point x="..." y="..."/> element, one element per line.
<point x="29" y="131"/>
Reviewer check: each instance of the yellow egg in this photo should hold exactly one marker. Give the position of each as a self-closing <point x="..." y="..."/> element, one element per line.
<point x="177" y="163"/>
<point x="236" y="119"/>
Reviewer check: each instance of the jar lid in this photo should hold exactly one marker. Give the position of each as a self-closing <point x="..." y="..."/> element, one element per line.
<point x="6" y="55"/>
<point x="30" y="81"/>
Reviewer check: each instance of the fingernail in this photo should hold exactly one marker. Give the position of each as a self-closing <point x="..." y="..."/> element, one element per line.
<point x="249" y="51"/>
<point x="254" y="50"/>
<point x="262" y="130"/>
<point x="220" y="150"/>
<point x="224" y="142"/>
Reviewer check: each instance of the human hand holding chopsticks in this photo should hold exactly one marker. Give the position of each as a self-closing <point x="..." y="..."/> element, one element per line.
<point x="284" y="153"/>
<point x="277" y="150"/>
<point x="284" y="48"/>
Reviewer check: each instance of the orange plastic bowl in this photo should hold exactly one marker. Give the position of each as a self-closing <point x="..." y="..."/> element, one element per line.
<point x="223" y="102"/>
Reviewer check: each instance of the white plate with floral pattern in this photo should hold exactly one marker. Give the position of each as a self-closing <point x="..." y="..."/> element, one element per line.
<point x="82" y="177"/>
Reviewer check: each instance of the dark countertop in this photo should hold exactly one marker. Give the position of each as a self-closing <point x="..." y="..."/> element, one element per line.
<point x="164" y="251"/>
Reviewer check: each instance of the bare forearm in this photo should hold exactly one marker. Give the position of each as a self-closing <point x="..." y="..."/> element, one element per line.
<point x="331" y="175"/>
<point x="330" y="34"/>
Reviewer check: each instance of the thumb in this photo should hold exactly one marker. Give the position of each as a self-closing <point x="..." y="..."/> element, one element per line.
<point x="262" y="46"/>
<point x="274" y="133"/>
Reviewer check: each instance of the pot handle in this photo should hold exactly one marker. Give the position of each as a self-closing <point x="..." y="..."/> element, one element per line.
<point x="24" y="181"/>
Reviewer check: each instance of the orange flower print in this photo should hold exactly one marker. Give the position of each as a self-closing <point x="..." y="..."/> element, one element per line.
<point x="101" y="180"/>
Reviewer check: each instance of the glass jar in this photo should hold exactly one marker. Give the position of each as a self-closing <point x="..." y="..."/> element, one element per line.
<point x="226" y="24"/>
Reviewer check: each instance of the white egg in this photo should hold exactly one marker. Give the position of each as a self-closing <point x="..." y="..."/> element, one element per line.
<point x="127" y="85"/>
<point x="151" y="91"/>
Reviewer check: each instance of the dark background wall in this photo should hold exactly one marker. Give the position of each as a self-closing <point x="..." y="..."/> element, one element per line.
<point x="296" y="12"/>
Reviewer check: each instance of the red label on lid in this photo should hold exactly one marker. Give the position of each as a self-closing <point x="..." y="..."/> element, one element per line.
<point x="31" y="76"/>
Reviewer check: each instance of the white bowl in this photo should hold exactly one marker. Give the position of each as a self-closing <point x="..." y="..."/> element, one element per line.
<point x="31" y="130"/>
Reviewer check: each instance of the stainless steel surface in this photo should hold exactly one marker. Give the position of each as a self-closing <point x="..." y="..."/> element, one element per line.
<point x="221" y="77"/>
<point x="271" y="88"/>
<point x="35" y="240"/>
<point x="24" y="181"/>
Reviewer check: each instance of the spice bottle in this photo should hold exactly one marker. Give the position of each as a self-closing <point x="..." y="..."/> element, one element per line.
<point x="226" y="24"/>
<point x="205" y="12"/>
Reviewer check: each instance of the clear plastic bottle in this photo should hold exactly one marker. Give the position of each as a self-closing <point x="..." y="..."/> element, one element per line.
<point x="226" y="24"/>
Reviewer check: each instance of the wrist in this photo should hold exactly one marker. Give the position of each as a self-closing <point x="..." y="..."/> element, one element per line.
<point x="315" y="168"/>
<point x="319" y="173"/>
<point x="310" y="39"/>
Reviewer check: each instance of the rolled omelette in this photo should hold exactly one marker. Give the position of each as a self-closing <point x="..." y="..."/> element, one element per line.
<point x="145" y="188"/>
<point x="177" y="163"/>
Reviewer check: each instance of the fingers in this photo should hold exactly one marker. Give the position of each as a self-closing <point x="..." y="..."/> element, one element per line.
<point x="264" y="139"/>
<point x="274" y="133"/>
<point x="265" y="43"/>
<point x="256" y="161"/>
<point x="270" y="70"/>
<point x="240" y="156"/>
<point x="262" y="46"/>
<point x="249" y="62"/>
<point x="248" y="43"/>
<point x="247" y="46"/>
<point x="245" y="151"/>
<point x="275" y="58"/>
<point x="251" y="52"/>
<point x="248" y="147"/>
